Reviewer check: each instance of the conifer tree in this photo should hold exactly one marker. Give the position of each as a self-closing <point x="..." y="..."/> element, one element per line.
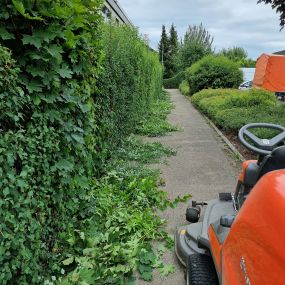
<point x="163" y="45"/>
<point x="173" y="49"/>
<point x="164" y="52"/>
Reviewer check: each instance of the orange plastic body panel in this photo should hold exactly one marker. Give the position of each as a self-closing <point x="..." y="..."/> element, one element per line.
<point x="254" y="251"/>
<point x="270" y="72"/>
<point x="244" y="167"/>
<point x="216" y="248"/>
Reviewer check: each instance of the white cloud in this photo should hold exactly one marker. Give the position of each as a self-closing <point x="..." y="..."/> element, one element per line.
<point x="232" y="23"/>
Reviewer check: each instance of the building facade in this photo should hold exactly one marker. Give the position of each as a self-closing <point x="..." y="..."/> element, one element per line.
<point x="112" y="10"/>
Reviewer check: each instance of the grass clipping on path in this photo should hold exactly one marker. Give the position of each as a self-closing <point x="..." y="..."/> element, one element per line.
<point x="156" y="125"/>
<point x="117" y="239"/>
<point x="135" y="150"/>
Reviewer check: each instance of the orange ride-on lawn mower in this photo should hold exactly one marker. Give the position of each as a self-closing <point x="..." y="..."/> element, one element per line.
<point x="241" y="240"/>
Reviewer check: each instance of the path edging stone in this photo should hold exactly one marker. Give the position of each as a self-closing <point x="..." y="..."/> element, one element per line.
<point x="225" y="139"/>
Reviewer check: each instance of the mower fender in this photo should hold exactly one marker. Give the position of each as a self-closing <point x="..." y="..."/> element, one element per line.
<point x="186" y="242"/>
<point x="253" y="252"/>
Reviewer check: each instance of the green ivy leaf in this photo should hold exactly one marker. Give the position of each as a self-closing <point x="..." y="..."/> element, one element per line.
<point x="85" y="107"/>
<point x="6" y="191"/>
<point x="68" y="261"/>
<point x="166" y="269"/>
<point x="22" y="183"/>
<point x="35" y="71"/>
<point x="34" y="86"/>
<point x="10" y="159"/>
<point x="32" y="40"/>
<point x="64" y="165"/>
<point x="78" y="138"/>
<point x="5" y="35"/>
<point x="147" y="276"/>
<point x="65" y="72"/>
<point x="145" y="272"/>
<point x="55" y="51"/>
<point x="37" y="100"/>
<point x="21" y="9"/>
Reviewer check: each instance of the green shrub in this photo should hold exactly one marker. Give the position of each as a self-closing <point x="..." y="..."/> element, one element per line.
<point x="47" y="143"/>
<point x="207" y="93"/>
<point x="184" y="88"/>
<point x="53" y="136"/>
<point x="173" y="83"/>
<point x="130" y="84"/>
<point x="213" y="72"/>
<point x="231" y="109"/>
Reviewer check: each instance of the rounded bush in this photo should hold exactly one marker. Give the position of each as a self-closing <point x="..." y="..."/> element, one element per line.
<point x="213" y="72"/>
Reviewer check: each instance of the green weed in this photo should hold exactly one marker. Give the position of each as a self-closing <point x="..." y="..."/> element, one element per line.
<point x="135" y="150"/>
<point x="117" y="240"/>
<point x="155" y="124"/>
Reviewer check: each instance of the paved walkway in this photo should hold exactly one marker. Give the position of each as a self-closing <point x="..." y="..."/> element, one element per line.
<point x="202" y="167"/>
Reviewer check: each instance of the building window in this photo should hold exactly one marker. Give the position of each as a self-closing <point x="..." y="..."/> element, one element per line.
<point x="107" y="13"/>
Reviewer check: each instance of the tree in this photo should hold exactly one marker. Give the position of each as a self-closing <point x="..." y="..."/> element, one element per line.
<point x="234" y="53"/>
<point x="279" y="5"/>
<point x="164" y="52"/>
<point x="238" y="55"/>
<point x="173" y="39"/>
<point x="163" y="46"/>
<point x="173" y="50"/>
<point x="197" y="43"/>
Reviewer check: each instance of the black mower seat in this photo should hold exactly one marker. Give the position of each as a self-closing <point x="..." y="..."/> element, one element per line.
<point x="271" y="162"/>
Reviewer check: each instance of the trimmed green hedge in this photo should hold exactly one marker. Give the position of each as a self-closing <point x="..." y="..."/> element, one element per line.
<point x="130" y="84"/>
<point x="231" y="109"/>
<point x="174" y="82"/>
<point x="213" y="72"/>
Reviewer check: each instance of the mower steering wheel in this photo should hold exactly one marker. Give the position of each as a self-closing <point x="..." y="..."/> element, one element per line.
<point x="262" y="146"/>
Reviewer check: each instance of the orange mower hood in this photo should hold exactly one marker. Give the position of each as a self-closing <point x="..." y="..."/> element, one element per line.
<point x="270" y="72"/>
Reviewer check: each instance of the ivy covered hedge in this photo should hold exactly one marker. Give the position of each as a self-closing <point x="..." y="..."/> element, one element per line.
<point x="55" y="120"/>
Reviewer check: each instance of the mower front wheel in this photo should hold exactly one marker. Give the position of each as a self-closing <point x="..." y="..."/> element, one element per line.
<point x="193" y="214"/>
<point x="201" y="270"/>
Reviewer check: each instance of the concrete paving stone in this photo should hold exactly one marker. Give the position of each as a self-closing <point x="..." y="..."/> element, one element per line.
<point x="203" y="167"/>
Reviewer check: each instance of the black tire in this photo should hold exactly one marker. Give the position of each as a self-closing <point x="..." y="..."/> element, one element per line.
<point x="193" y="214"/>
<point x="201" y="270"/>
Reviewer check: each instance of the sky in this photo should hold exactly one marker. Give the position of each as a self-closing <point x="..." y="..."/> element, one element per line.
<point x="240" y="23"/>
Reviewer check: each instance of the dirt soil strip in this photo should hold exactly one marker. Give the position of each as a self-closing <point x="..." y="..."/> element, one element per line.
<point x="203" y="167"/>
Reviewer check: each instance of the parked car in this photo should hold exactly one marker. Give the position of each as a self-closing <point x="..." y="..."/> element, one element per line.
<point x="280" y="96"/>
<point x="246" y="85"/>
